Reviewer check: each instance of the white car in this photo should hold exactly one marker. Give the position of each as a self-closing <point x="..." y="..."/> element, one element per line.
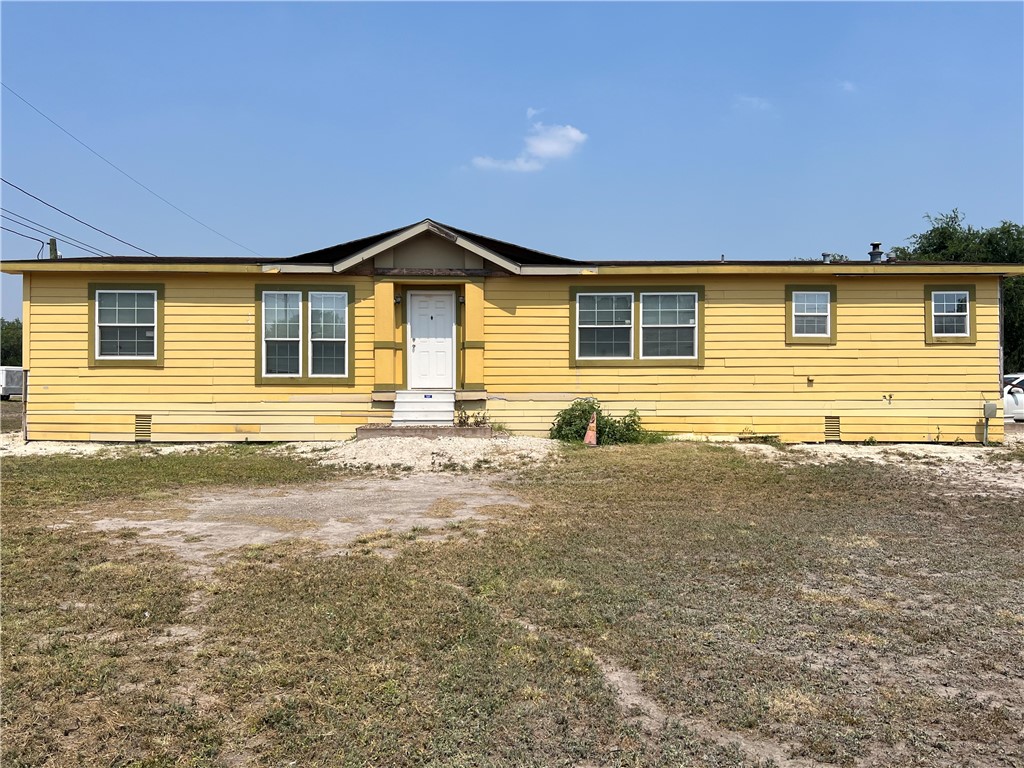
<point x="1013" y="397"/>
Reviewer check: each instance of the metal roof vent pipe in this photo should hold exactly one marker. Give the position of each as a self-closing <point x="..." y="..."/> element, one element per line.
<point x="876" y="253"/>
<point x="826" y="258"/>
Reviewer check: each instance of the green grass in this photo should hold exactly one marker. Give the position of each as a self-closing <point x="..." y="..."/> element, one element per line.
<point x="10" y="415"/>
<point x="59" y="480"/>
<point x="850" y="613"/>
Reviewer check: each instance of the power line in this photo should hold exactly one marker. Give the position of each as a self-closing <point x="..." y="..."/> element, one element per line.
<point x="41" y="243"/>
<point x="126" y="174"/>
<point x="82" y="247"/>
<point x="19" y="234"/>
<point x="90" y="226"/>
<point x="53" y="232"/>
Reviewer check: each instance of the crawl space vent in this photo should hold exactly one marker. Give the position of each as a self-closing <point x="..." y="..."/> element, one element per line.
<point x="143" y="428"/>
<point x="832" y="429"/>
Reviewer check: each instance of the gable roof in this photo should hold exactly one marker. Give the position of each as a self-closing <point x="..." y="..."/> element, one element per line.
<point x="506" y="255"/>
<point x="517" y="259"/>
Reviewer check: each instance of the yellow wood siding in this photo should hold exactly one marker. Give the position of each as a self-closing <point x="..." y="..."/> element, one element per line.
<point x="206" y="388"/>
<point x="751" y="379"/>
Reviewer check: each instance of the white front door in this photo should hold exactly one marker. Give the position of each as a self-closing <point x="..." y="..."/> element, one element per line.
<point x="431" y="340"/>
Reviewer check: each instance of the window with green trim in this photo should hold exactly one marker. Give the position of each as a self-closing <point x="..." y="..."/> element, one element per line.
<point x="126" y="327"/>
<point x="951" y="313"/>
<point x="812" y="313"/>
<point x="636" y="326"/>
<point x="304" y="334"/>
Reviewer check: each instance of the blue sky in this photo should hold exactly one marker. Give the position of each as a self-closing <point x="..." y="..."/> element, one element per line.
<point x="605" y="131"/>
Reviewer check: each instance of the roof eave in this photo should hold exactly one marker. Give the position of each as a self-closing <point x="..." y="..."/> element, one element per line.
<point x="69" y="265"/>
<point x="427" y="225"/>
<point x="835" y="270"/>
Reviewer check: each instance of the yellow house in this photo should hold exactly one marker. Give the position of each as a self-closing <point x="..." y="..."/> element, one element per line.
<point x="413" y="325"/>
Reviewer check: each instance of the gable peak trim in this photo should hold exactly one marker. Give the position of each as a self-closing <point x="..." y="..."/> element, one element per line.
<point x="427" y="225"/>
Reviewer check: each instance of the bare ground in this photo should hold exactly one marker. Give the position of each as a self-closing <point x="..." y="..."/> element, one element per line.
<point x="958" y="469"/>
<point x="340" y="515"/>
<point x="370" y="512"/>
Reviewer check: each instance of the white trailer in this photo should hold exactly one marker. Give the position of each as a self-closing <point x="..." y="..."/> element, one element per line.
<point x="12" y="380"/>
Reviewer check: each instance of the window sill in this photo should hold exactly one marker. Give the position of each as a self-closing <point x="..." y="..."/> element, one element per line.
<point x="305" y="381"/>
<point x="820" y="341"/>
<point x="126" y="363"/>
<point x="961" y="340"/>
<point x="643" y="362"/>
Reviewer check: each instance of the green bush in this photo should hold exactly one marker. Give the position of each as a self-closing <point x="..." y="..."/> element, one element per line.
<point x="570" y="425"/>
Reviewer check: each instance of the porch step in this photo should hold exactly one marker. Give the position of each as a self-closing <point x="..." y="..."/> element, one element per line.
<point x="424" y="408"/>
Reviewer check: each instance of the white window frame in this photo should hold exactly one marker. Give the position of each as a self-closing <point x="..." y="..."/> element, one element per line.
<point x="632" y="311"/>
<point x="156" y="310"/>
<point x="309" y="325"/>
<point x="966" y="315"/>
<point x="264" y="339"/>
<point x="695" y="326"/>
<point x="827" y="315"/>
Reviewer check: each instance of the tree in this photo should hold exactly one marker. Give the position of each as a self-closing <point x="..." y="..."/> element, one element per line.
<point x="948" y="239"/>
<point x="10" y="342"/>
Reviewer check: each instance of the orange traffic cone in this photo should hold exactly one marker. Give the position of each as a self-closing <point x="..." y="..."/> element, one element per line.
<point x="591" y="437"/>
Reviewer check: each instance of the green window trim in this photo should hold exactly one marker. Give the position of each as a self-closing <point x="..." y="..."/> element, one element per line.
<point x="93" y="336"/>
<point x="304" y="376"/>
<point x="636" y="361"/>
<point x="833" y="306"/>
<point x="930" y="337"/>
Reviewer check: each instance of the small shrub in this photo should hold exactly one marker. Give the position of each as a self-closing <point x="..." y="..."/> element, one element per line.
<point x="870" y="441"/>
<point x="474" y="419"/>
<point x="570" y="425"/>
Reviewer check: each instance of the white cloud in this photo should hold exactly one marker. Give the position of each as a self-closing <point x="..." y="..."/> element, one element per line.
<point x="848" y="86"/>
<point x="752" y="104"/>
<point x="532" y="113"/>
<point x="553" y="141"/>
<point x="543" y="143"/>
<point x="521" y="163"/>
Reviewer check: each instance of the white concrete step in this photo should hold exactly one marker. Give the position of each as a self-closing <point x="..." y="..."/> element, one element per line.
<point x="446" y="416"/>
<point x="425" y="405"/>
<point x="421" y="423"/>
<point x="419" y="407"/>
<point x="425" y="396"/>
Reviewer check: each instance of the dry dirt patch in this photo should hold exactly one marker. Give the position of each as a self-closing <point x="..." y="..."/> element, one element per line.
<point x="951" y="470"/>
<point x="420" y="454"/>
<point x="405" y="454"/>
<point x="340" y="515"/>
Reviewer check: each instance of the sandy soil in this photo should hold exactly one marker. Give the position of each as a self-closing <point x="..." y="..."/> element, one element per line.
<point x="431" y="495"/>
<point x="960" y="469"/>
<point x="365" y="512"/>
<point x="409" y="454"/>
<point x="418" y="454"/>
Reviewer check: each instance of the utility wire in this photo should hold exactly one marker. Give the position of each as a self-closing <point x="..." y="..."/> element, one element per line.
<point x="5" y="229"/>
<point x="90" y="226"/>
<point x="82" y="247"/>
<point x="41" y="243"/>
<point x="53" y="232"/>
<point x="126" y="174"/>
